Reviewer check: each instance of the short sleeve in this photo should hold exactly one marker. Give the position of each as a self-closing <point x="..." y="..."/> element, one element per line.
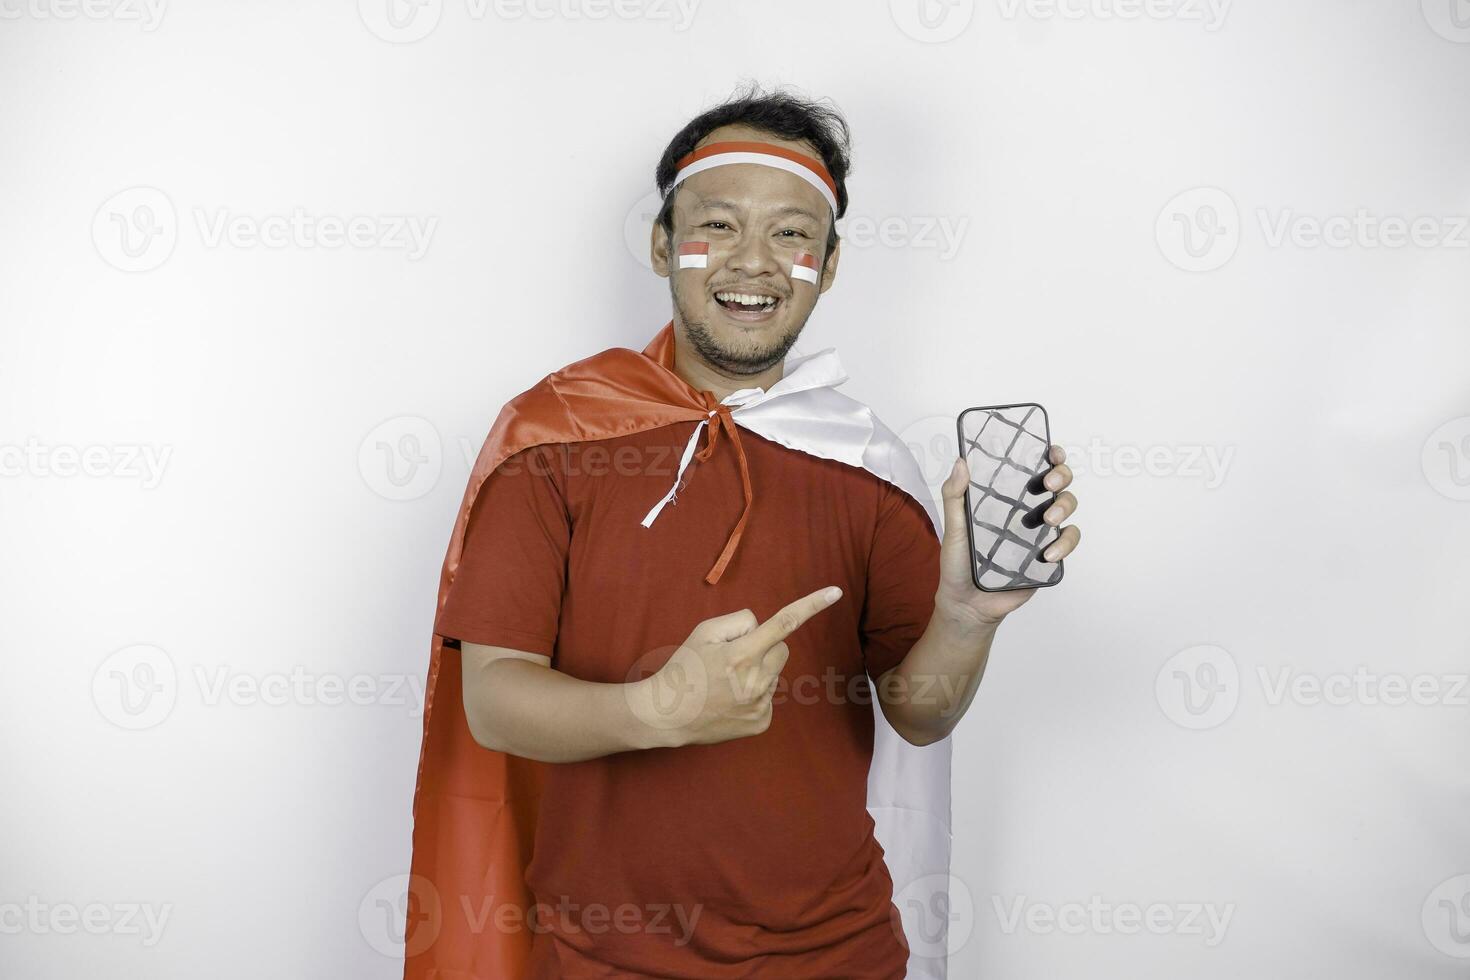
<point x="903" y="575"/>
<point x="507" y="591"/>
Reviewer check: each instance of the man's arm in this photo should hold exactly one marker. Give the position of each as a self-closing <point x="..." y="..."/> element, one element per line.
<point x="516" y="703"/>
<point x="513" y="700"/>
<point x="928" y="692"/>
<point x="717" y="686"/>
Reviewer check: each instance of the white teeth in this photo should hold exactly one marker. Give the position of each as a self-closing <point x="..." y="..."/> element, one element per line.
<point x="746" y="299"/>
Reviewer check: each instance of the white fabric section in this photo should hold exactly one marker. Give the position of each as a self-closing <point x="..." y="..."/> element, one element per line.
<point x="908" y="785"/>
<point x="765" y="160"/>
<point x="683" y="464"/>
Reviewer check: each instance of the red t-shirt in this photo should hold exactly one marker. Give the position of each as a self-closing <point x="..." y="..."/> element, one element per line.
<point x="754" y="857"/>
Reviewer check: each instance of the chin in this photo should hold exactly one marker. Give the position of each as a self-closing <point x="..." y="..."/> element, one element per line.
<point x="747" y="348"/>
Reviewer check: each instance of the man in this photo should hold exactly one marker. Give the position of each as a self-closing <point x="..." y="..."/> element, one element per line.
<point x="664" y="655"/>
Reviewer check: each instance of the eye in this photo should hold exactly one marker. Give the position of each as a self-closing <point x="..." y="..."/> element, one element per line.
<point x="796" y="231"/>
<point x="711" y="224"/>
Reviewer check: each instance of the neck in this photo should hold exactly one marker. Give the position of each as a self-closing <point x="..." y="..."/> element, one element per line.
<point x="704" y="376"/>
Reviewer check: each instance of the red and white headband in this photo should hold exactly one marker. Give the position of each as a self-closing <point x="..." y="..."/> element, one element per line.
<point x="766" y="154"/>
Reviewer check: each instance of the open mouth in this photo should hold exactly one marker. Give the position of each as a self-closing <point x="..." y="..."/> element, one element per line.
<point x="747" y="307"/>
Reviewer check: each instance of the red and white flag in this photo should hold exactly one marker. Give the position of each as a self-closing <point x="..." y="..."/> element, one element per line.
<point x="694" y="255"/>
<point x="805" y="268"/>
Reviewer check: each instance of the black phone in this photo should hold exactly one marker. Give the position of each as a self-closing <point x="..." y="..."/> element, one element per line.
<point x="1007" y="450"/>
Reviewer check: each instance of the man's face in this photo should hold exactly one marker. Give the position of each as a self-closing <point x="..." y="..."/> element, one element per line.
<point x="755" y="219"/>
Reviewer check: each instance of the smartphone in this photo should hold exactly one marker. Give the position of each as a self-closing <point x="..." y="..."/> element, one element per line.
<point x="1006" y="447"/>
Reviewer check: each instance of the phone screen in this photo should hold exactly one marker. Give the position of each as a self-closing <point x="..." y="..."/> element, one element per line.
<point x="1006" y="449"/>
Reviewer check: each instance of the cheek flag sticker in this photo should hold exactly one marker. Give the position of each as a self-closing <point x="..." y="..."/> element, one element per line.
<point x="804" y="267"/>
<point x="694" y="255"/>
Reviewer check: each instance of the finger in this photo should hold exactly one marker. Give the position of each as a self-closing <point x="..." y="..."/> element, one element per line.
<point x="790" y="617"/>
<point x="1059" y="477"/>
<point x="730" y="626"/>
<point x="953" y="493"/>
<point x="1064" y="545"/>
<point x="1061" y="508"/>
<point x="774" y="660"/>
<point x="1057" y="455"/>
<point x="771" y="685"/>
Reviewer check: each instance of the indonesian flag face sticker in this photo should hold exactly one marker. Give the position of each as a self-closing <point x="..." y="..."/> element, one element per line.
<point x="694" y="255"/>
<point x="805" y="268"/>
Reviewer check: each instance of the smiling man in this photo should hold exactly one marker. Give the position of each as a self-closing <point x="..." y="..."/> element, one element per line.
<point x="650" y="742"/>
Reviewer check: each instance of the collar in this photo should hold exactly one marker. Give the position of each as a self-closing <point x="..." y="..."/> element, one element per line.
<point x="800" y="372"/>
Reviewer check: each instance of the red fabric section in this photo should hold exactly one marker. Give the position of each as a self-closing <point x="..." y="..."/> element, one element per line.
<point x="755" y="857"/>
<point x="614" y="590"/>
<point x="746" y="146"/>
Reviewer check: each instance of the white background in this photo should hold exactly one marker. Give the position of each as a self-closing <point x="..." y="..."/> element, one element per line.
<point x="1130" y="192"/>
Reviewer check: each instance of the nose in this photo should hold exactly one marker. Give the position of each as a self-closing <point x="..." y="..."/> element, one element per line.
<point x="752" y="256"/>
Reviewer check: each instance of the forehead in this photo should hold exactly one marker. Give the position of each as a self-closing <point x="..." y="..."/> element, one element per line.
<point x="751" y="185"/>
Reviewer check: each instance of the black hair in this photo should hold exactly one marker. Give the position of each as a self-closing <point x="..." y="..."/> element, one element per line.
<point x="779" y="114"/>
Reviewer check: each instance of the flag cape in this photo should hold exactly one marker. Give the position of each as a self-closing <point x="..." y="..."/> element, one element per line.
<point x="475" y="810"/>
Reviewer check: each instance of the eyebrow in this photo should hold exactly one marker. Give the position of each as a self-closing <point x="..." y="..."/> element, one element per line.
<point x="711" y="204"/>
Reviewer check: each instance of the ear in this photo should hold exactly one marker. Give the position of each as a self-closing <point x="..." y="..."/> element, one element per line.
<point x="829" y="267"/>
<point x="658" y="249"/>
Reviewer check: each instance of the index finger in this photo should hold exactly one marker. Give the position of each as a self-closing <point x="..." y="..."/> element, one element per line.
<point x="789" y="618"/>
